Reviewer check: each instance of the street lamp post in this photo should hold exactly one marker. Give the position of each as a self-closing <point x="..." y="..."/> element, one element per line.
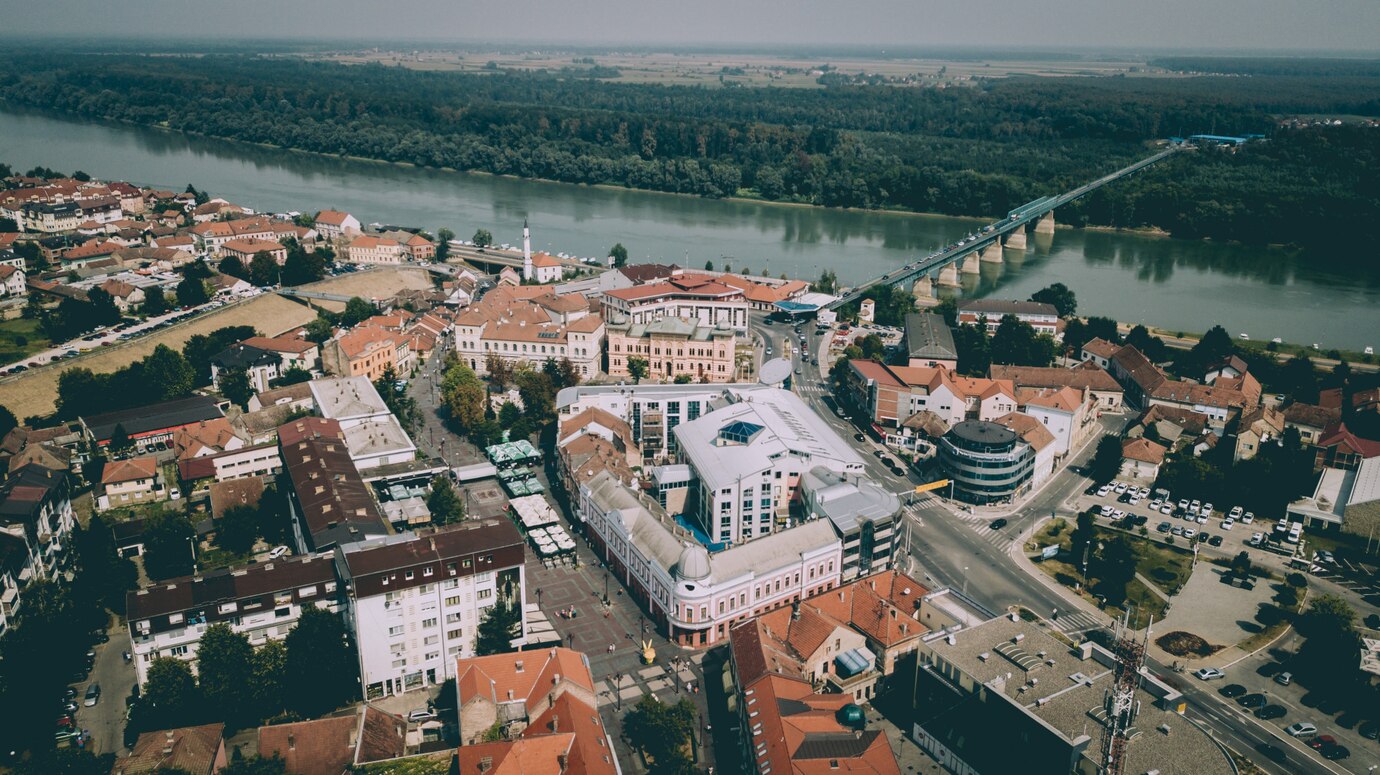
<point x="606" y="587"/>
<point x="965" y="580"/>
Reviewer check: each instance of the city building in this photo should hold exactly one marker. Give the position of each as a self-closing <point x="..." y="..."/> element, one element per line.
<point x="748" y="458"/>
<point x="366" y="351"/>
<point x="673" y="348"/>
<point x="369" y="249"/>
<point x="1044" y="701"/>
<point x="238" y="463"/>
<point x="416" y="600"/>
<point x="335" y="744"/>
<point x="701" y="298"/>
<point x="693" y="596"/>
<point x="133" y="480"/>
<point x="330" y="504"/>
<point x="890" y="395"/>
<point x="986" y="462"/>
<point x="545" y="702"/>
<point x="1041" y="317"/>
<point x="1099" y="351"/>
<point x="929" y="342"/>
<point x="650" y="410"/>
<point x="193" y="750"/>
<point x="260" y="366"/>
<point x="12" y="282"/>
<point x="36" y="524"/>
<point x="334" y="225"/>
<point x="246" y="249"/>
<point x="1344" y="499"/>
<point x="530" y="330"/>
<point x="145" y="426"/>
<point x="1141" y="459"/>
<point x="862" y="512"/>
<point x="418" y="248"/>
<point x="261" y="601"/>
<point x="372" y="434"/>
<point x="1107" y="394"/>
<point x="1033" y="432"/>
<point x="1069" y="414"/>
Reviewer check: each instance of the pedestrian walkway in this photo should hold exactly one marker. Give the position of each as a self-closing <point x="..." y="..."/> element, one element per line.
<point x="1077" y="622"/>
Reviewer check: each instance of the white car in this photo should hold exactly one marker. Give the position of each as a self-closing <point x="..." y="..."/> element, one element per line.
<point x="1120" y="488"/>
<point x="420" y="714"/>
<point x="1190" y="532"/>
<point x="1247" y="518"/>
<point x="1156" y="504"/>
<point x="1166" y="509"/>
<point x="1236" y="512"/>
<point x="1103" y="490"/>
<point x="1227" y="523"/>
<point x="1183" y="504"/>
<point x="1202" y="519"/>
<point x="1144" y="492"/>
<point x="277" y="551"/>
<point x="1301" y="729"/>
<point x="1207" y="508"/>
<point x="1106" y="511"/>
<point x="1134" y="501"/>
<point x="1256" y="539"/>
<point x="1209" y="674"/>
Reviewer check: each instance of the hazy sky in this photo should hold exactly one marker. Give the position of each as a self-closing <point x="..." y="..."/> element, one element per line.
<point x="1212" y="24"/>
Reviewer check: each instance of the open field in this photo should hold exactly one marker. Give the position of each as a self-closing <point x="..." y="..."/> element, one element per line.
<point x="34" y="392"/>
<point x="377" y="283"/>
<point x="738" y="68"/>
<point x="17" y="330"/>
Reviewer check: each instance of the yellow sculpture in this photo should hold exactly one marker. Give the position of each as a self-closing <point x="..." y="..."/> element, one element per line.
<point x="648" y="653"/>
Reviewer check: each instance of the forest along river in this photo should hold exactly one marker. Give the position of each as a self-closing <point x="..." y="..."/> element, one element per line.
<point x="1175" y="284"/>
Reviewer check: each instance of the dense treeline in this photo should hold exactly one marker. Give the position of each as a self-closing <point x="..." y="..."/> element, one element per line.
<point x="1310" y="66"/>
<point x="971" y="151"/>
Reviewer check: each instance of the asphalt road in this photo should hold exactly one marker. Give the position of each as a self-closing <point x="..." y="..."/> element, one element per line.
<point x="106" y="720"/>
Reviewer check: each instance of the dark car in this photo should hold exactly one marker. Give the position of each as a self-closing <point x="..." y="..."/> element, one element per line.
<point x="1334" y="753"/>
<point x="997" y="524"/>
<point x="1271" y="712"/>
<point x="1370" y="730"/>
<point x="1141" y="520"/>
<point x="1232" y="691"/>
<point x="1250" y="701"/>
<point x="1215" y="541"/>
<point x="859" y="437"/>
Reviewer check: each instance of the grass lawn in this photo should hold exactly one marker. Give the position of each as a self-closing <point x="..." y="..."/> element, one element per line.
<point x="1161" y="563"/>
<point x="1169" y="567"/>
<point x="20" y="338"/>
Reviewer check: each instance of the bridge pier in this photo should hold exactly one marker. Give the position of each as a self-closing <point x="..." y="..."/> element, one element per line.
<point x="1016" y="239"/>
<point x="948" y="277"/>
<point x="924" y="292"/>
<point x="992" y="253"/>
<point x="971" y="263"/>
<point x="1046" y="223"/>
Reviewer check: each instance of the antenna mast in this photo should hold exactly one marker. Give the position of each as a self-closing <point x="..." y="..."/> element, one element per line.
<point x="1120" y="701"/>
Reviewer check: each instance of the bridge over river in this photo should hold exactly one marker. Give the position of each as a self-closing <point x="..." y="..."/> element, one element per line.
<point x="987" y="243"/>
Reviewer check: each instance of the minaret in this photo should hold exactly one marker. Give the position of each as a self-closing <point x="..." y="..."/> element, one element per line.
<point x="526" y="251"/>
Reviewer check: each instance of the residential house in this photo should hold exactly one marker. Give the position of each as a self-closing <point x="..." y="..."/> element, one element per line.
<point x="1099" y="351"/>
<point x="1338" y="447"/>
<point x="929" y="342"/>
<point x="295" y="352"/>
<point x="1041" y="316"/>
<point x="125" y="295"/>
<point x="891" y="394"/>
<point x="261" y="366"/>
<point x="297" y="396"/>
<point x="1310" y="420"/>
<point x="418" y="248"/>
<point x="369" y="249"/>
<point x="246" y="249"/>
<point x="1141" y="459"/>
<point x="193" y="750"/>
<point x="1106" y="393"/>
<point x="256" y="460"/>
<point x="546" y="269"/>
<point x="1255" y="429"/>
<point x="130" y="481"/>
<point x="336" y="744"/>
<point x="12" y="282"/>
<point x="1067" y="413"/>
<point x="1041" y="439"/>
<point x="366" y="351"/>
<point x="207" y="437"/>
<point x="235" y="493"/>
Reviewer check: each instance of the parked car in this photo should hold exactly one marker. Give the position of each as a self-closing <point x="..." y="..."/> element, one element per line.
<point x="1321" y="740"/>
<point x="1252" y="701"/>
<point x="1162" y="527"/>
<point x="1301" y="729"/>
<point x="1215" y="541"/>
<point x="277" y="551"/>
<point x="93" y="695"/>
<point x="1369" y="730"/>
<point x="421" y="714"/>
<point x="1232" y="691"/>
<point x="1334" y="752"/>
<point x="1285" y="678"/>
<point x="1209" y="673"/>
<point x="1271" y="712"/>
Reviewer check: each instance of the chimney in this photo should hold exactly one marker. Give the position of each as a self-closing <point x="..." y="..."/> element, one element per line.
<point x="563" y="759"/>
<point x="555" y="722"/>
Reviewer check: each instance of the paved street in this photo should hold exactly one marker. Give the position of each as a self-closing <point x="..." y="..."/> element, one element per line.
<point x="106" y="721"/>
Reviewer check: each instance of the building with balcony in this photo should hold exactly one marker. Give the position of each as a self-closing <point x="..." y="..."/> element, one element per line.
<point x="262" y="602"/>
<point x="415" y="600"/>
<point x="987" y="462"/>
<point x="36" y="523"/>
<point x="673" y="348"/>
<point x="701" y="298"/>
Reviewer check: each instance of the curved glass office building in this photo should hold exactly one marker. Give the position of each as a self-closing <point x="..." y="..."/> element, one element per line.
<point x="986" y="461"/>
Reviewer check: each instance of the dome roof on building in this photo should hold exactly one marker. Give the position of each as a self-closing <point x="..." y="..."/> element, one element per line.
<point x="693" y="564"/>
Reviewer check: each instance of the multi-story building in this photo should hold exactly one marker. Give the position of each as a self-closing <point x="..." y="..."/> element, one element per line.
<point x="372" y="434"/>
<point x="370" y="249"/>
<point x="239" y="463"/>
<point x="260" y="366"/>
<point x="416" y="600"/>
<point x="530" y="331"/>
<point x="929" y="342"/>
<point x="366" y="351"/>
<point x="890" y="395"/>
<point x="262" y="602"/>
<point x="334" y="225"/>
<point x="418" y="248"/>
<point x="1041" y="317"/>
<point x="146" y="426"/>
<point x="696" y="297"/>
<point x="36" y="523"/>
<point x="1047" y="700"/>
<point x="748" y="458"/>
<point x="1068" y="414"/>
<point x="246" y="249"/>
<point x="673" y="348"/>
<point x="330" y="504"/>
<point x="693" y="595"/>
<point x="1106" y="393"/>
<point x="295" y="352"/>
<point x="986" y="462"/>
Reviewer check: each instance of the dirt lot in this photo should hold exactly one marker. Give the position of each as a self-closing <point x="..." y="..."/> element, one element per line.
<point x="35" y="391"/>
<point x="376" y="283"/>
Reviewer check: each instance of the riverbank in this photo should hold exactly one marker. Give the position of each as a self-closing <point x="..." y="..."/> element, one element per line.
<point x="1283" y="351"/>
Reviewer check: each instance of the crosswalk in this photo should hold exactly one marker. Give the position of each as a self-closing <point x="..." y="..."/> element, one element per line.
<point x="1003" y="539"/>
<point x="1077" y="622"/>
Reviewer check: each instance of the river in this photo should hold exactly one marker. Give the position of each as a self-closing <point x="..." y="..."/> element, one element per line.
<point x="1178" y="285"/>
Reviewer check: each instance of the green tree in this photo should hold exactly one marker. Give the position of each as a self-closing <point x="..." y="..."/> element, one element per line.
<point x="1059" y="295"/>
<point x="255" y="765"/>
<point x="974" y="350"/>
<point x="225" y="671"/>
<point x="191" y="292"/>
<point x="235" y="385"/>
<point x="482" y="238"/>
<point x="155" y="302"/>
<point x="171" y="694"/>
<point x="1106" y="462"/>
<point x="238" y="529"/>
<point x="357" y="310"/>
<point x="637" y="368"/>
<point x="168" y="546"/>
<point x="1241" y="565"/>
<point x="1331" y="643"/>
<point x="709" y="266"/>
<point x="509" y="415"/>
<point x="167" y="374"/>
<point x="1082" y="538"/>
<point x="661" y="732"/>
<point x="65" y="761"/>
<point x="8" y="422"/>
<point x="119" y="438"/>
<point x="443" y="238"/>
<point x="1299" y="380"/>
<point x="619" y="254"/>
<point x="1016" y="343"/>
<point x="105" y="575"/>
<point x="319" y="329"/>
<point x="498" y="626"/>
<point x="263" y="269"/>
<point x="464" y="396"/>
<point x="268" y="687"/>
<point x="292" y="376"/>
<point x="321" y="668"/>
<point x="444" y="502"/>
<point x="1116" y="569"/>
<point x="538" y="394"/>
<point x="234" y="267"/>
<point x="1105" y="328"/>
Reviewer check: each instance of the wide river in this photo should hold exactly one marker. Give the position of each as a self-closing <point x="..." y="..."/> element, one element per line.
<point x="1175" y="284"/>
